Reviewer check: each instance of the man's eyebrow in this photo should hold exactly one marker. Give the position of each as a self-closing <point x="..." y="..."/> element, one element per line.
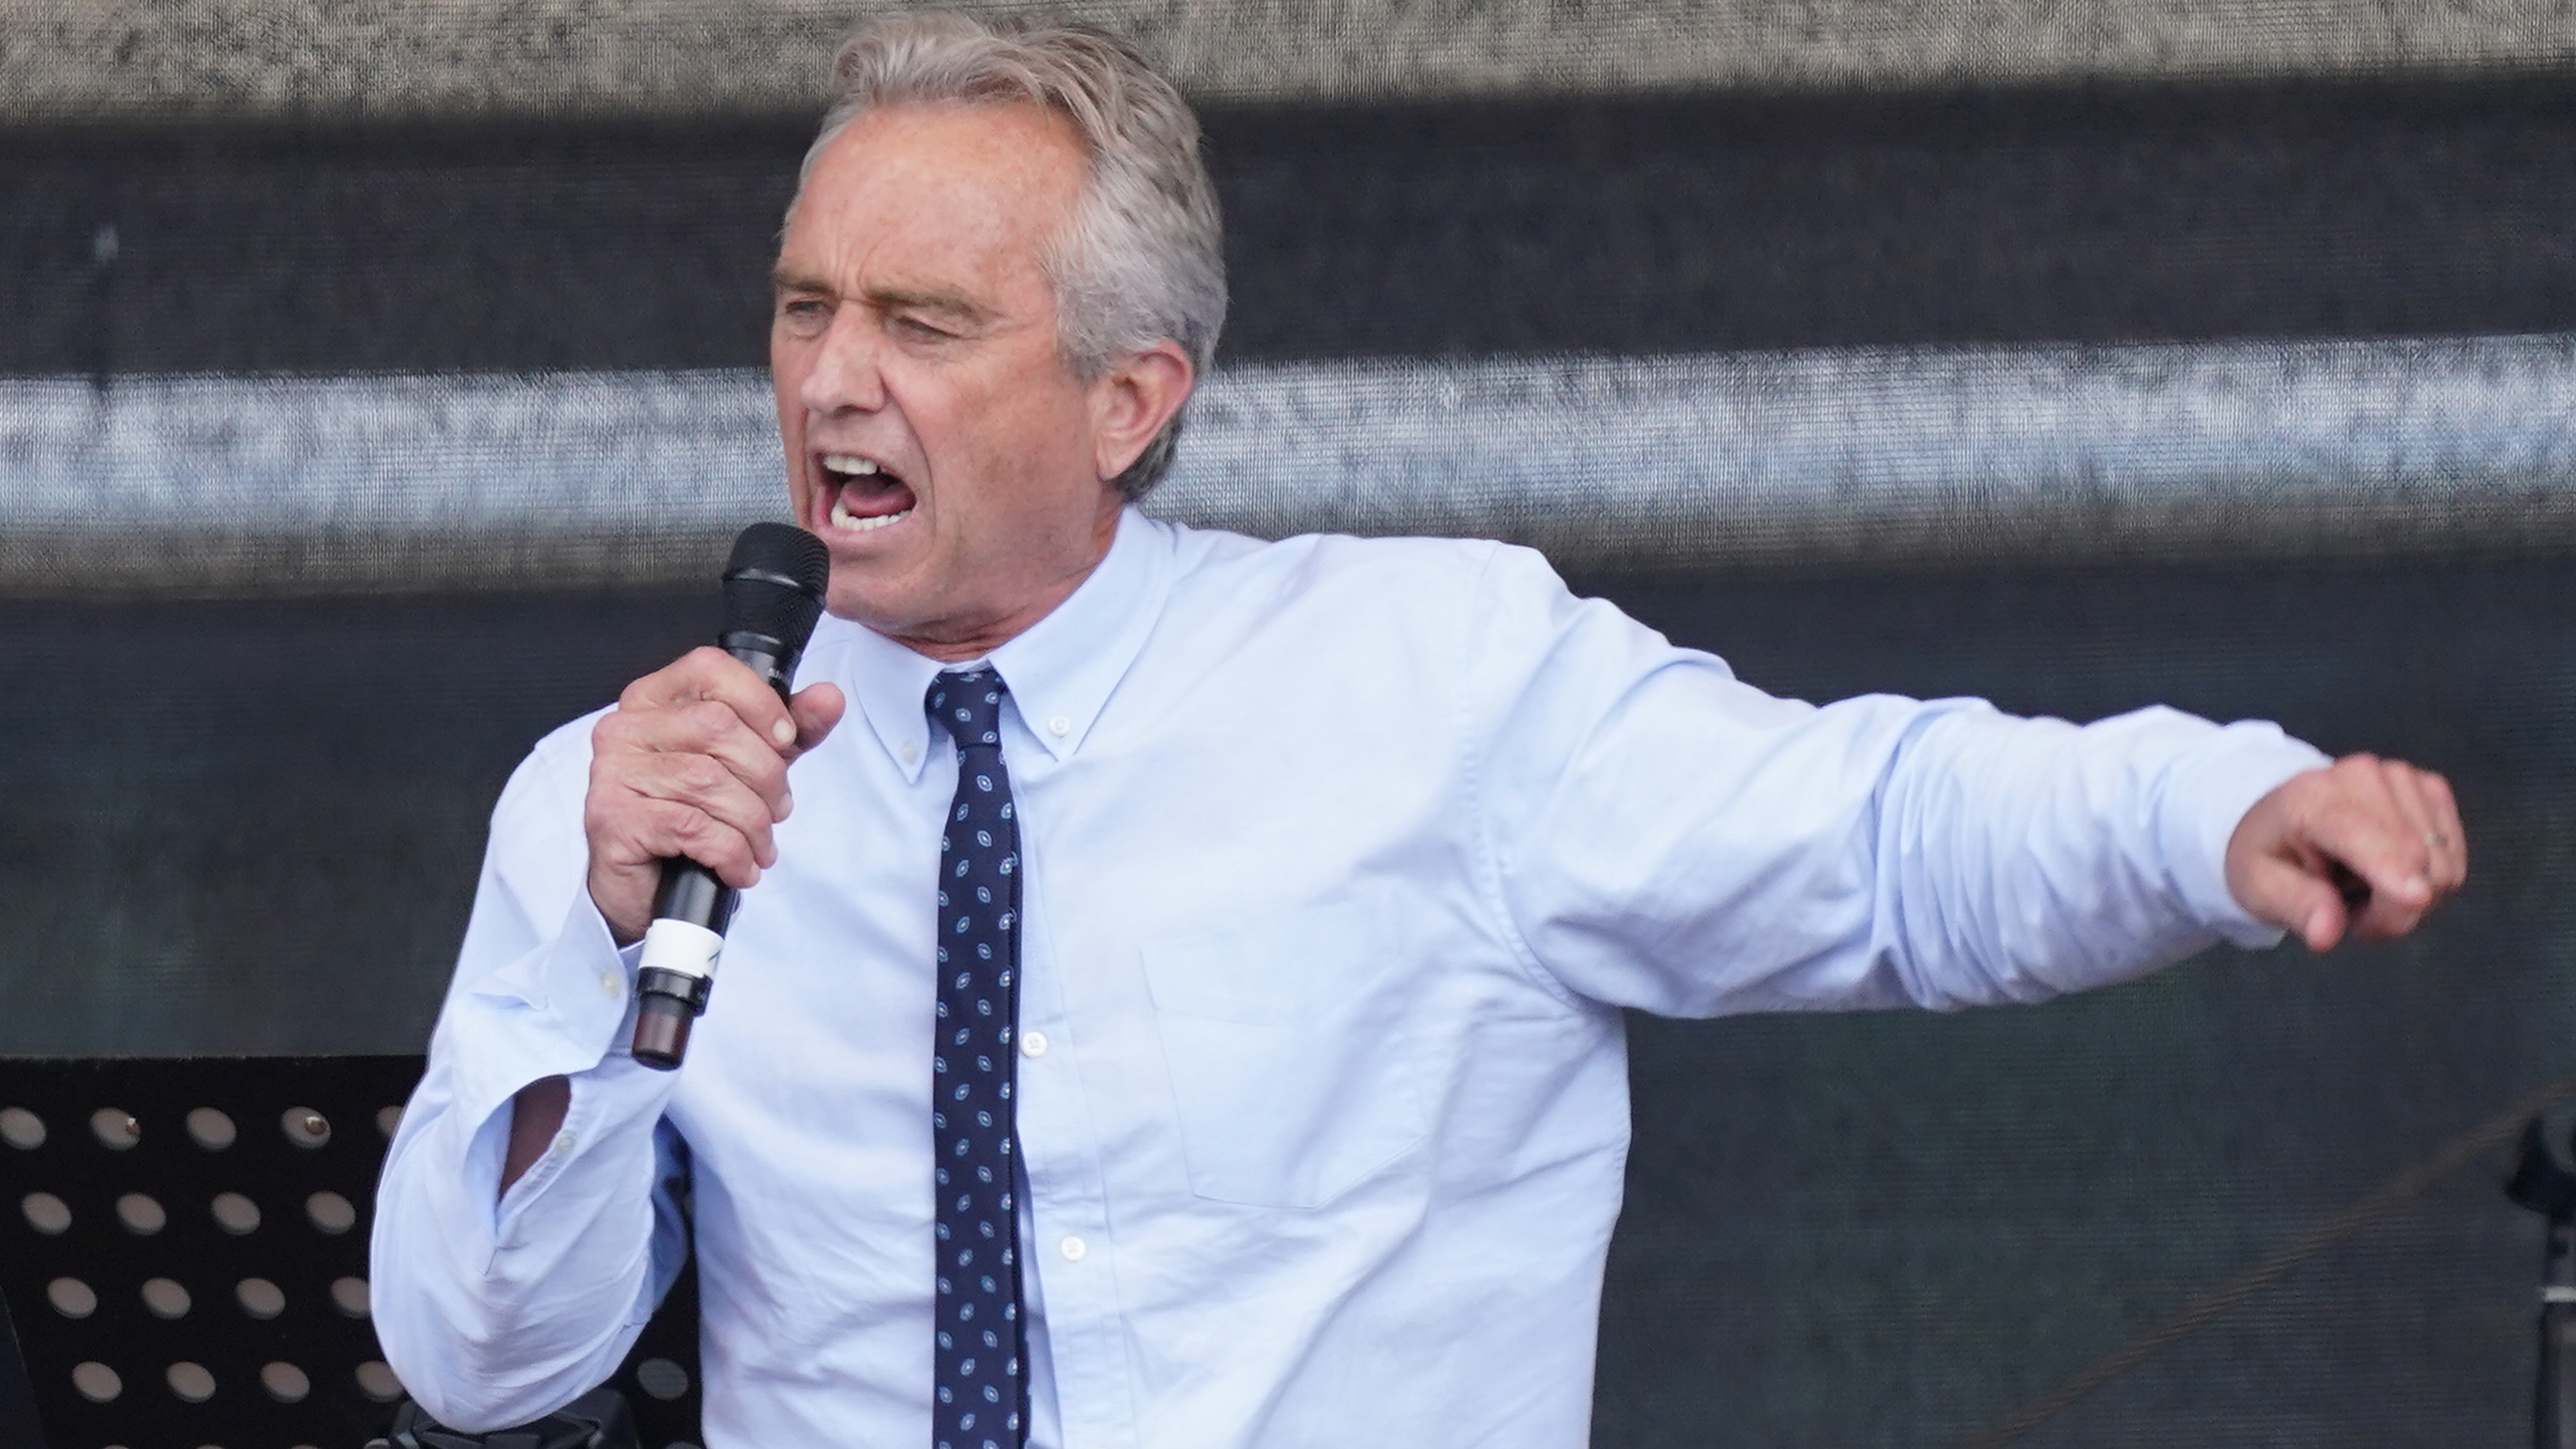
<point x="939" y="300"/>
<point x="935" y="299"/>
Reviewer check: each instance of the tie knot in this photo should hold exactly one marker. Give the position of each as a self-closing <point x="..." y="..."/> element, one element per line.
<point x="969" y="707"/>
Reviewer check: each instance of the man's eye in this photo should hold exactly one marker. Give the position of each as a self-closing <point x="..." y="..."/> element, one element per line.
<point x="914" y="327"/>
<point x="805" y="311"/>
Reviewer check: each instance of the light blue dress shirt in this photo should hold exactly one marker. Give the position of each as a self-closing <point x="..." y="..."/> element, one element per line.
<point x="1343" y="856"/>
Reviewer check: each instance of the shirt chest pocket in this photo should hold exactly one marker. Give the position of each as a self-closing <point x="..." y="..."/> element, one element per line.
<point x="1286" y="1045"/>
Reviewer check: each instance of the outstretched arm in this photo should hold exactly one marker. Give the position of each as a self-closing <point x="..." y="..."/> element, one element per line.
<point x="1666" y="838"/>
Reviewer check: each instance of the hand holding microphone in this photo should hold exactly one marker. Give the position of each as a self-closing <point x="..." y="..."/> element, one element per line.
<point x="689" y="775"/>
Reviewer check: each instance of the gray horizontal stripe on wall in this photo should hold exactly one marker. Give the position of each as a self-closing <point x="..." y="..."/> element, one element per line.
<point x="313" y="59"/>
<point x="2235" y="450"/>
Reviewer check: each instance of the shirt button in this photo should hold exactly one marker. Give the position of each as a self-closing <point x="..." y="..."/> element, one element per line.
<point x="563" y="1143"/>
<point x="1073" y="1248"/>
<point x="1033" y="1044"/>
<point x="911" y="753"/>
<point x="1059" y="726"/>
<point x="611" y="984"/>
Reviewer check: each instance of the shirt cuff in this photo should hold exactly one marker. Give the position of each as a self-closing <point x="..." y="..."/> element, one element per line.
<point x="2207" y="793"/>
<point x="565" y="1009"/>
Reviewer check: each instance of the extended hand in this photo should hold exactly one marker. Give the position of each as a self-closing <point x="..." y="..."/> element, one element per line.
<point x="692" y="762"/>
<point x="2384" y="823"/>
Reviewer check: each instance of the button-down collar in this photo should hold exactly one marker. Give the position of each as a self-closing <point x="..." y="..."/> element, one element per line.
<point x="1061" y="670"/>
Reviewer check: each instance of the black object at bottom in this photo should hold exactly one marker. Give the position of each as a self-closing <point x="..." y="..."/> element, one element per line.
<point x="666" y="1003"/>
<point x="597" y="1420"/>
<point x="17" y="1396"/>
<point x="2553" y="1425"/>
<point x="2543" y="1184"/>
<point x="689" y="991"/>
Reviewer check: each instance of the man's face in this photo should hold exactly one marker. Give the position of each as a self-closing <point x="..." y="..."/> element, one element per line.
<point x="936" y="441"/>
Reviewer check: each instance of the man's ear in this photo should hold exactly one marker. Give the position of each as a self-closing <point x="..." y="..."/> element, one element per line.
<point x="1131" y="403"/>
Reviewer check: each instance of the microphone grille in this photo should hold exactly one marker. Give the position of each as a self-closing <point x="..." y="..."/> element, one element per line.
<point x="773" y="585"/>
<point x="785" y="550"/>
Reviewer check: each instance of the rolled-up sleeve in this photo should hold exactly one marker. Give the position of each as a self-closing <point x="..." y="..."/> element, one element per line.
<point x="495" y="1310"/>
<point x="1666" y="837"/>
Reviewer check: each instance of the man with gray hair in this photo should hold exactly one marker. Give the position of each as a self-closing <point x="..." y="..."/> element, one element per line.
<point x="1184" y="1009"/>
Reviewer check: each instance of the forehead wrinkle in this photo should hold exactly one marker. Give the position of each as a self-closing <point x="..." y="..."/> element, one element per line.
<point x="950" y="276"/>
<point x="910" y="210"/>
<point x="952" y="161"/>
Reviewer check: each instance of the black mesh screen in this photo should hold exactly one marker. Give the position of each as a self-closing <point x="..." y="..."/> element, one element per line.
<point x="2042" y="213"/>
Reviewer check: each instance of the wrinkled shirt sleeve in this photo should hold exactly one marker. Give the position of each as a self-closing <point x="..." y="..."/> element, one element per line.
<point x="496" y="1309"/>
<point x="1665" y="837"/>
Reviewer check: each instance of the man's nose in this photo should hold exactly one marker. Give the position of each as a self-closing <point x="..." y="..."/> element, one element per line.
<point x="845" y="376"/>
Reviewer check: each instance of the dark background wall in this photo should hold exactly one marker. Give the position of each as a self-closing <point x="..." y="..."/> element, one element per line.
<point x="2100" y="212"/>
<point x="249" y="822"/>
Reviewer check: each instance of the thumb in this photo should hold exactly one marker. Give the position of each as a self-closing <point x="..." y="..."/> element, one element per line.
<point x="2295" y="898"/>
<point x="816" y="709"/>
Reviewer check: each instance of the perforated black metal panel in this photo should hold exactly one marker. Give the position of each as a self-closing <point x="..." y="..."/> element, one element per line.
<point x="184" y="1254"/>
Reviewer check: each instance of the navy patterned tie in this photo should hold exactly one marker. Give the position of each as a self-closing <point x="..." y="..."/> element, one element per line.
<point x="976" y="1376"/>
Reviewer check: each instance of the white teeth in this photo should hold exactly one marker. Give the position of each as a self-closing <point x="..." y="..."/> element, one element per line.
<point x="843" y="518"/>
<point x="851" y="465"/>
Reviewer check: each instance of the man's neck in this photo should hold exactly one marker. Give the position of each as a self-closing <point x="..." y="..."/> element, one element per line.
<point x="980" y="640"/>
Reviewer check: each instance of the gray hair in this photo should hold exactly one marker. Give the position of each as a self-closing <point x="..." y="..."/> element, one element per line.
<point x="1143" y="258"/>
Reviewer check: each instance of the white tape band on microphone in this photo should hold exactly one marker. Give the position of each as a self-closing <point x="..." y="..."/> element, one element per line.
<point x="680" y="946"/>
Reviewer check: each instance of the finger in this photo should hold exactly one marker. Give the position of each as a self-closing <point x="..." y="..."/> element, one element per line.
<point x="816" y="709"/>
<point x="708" y="673"/>
<point x="706" y="785"/>
<point x="2362" y="826"/>
<point x="2406" y="786"/>
<point x="2408" y="797"/>
<point x="2448" y="821"/>
<point x="633" y="835"/>
<point x="2393" y="916"/>
<point x="2451" y="853"/>
<point x="2379" y="913"/>
<point x="2298" y="900"/>
<point x="713" y="728"/>
<point x="664" y="830"/>
<point x="704" y="727"/>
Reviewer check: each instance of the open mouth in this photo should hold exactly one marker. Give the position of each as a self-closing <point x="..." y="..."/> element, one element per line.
<point x="861" y="496"/>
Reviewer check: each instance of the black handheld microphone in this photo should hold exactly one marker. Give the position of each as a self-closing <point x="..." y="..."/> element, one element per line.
<point x="773" y="592"/>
